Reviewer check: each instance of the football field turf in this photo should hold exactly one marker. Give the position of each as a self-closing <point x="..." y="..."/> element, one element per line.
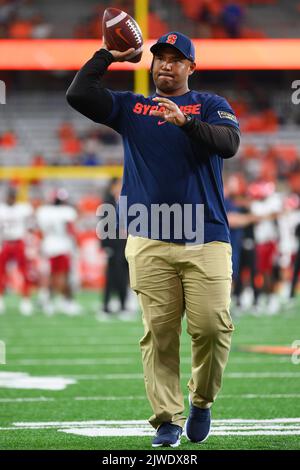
<point x="77" y="383"/>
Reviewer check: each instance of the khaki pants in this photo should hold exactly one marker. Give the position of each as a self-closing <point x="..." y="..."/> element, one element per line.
<point x="171" y="279"/>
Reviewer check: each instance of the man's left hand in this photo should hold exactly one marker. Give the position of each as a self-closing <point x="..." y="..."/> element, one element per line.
<point x="171" y="112"/>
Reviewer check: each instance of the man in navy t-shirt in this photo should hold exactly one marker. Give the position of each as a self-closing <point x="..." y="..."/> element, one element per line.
<point x="172" y="205"/>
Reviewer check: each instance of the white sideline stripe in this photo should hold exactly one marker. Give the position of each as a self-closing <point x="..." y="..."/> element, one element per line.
<point x="72" y="362"/>
<point x="142" y="397"/>
<point x="75" y="339"/>
<point x="256" y="433"/>
<point x="101" y="422"/>
<point x="223" y="427"/>
<point x="102" y="432"/>
<point x="216" y="423"/>
<point x="44" y="399"/>
<point x="111" y="377"/>
<point x="25" y="400"/>
<point x="232" y="375"/>
<point x="94" y="330"/>
<point x="116" y="20"/>
<point x="232" y="396"/>
<point x="257" y="421"/>
<point x="252" y="396"/>
<point x="74" y="348"/>
<point x="140" y="432"/>
<point x="262" y="375"/>
<point x="145" y="432"/>
<point x="97" y="350"/>
<point x="260" y="427"/>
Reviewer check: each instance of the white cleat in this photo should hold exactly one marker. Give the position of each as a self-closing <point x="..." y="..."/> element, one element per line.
<point x="72" y="308"/>
<point x="26" y="307"/>
<point x="104" y="316"/>
<point x="125" y="315"/>
<point x="49" y="309"/>
<point x="2" y="306"/>
<point x="273" y="306"/>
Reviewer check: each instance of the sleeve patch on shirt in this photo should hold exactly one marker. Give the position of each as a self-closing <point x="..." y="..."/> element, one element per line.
<point x="226" y="115"/>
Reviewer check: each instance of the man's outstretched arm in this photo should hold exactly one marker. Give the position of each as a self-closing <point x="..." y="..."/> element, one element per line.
<point x="86" y="93"/>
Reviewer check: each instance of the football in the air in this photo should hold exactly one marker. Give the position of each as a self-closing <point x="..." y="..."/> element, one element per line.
<point x="121" y="32"/>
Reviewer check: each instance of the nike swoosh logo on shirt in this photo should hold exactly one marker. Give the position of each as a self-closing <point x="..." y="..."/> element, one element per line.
<point x="118" y="31"/>
<point x="160" y="123"/>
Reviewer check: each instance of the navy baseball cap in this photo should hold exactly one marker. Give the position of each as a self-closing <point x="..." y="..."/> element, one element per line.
<point x="177" y="40"/>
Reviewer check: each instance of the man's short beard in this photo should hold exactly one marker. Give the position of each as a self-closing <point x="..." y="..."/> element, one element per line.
<point x="165" y="87"/>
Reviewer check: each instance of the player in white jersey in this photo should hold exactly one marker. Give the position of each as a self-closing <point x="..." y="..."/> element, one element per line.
<point x="14" y="223"/>
<point x="56" y="222"/>
<point x="267" y="238"/>
<point x="289" y="227"/>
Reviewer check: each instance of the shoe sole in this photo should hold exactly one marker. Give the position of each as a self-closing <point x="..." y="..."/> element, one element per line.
<point x="177" y="443"/>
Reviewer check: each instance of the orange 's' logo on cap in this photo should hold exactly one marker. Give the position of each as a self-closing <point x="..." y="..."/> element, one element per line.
<point x="171" y="39"/>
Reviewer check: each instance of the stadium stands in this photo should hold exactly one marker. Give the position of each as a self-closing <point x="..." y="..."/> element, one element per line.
<point x="213" y="18"/>
<point x="36" y="119"/>
<point x="41" y="124"/>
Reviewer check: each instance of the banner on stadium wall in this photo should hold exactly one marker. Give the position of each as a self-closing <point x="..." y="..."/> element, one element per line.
<point x="211" y="54"/>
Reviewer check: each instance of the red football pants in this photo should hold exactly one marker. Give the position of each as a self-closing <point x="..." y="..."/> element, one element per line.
<point x="14" y="251"/>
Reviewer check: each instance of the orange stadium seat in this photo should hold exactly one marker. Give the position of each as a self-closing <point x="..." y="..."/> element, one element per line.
<point x="268" y="169"/>
<point x="286" y="152"/>
<point x="252" y="33"/>
<point x="88" y="204"/>
<point x="156" y="26"/>
<point x="71" y="146"/>
<point x="251" y="151"/>
<point x="66" y="131"/>
<point x="240" y="107"/>
<point x="8" y="140"/>
<point x="20" y="30"/>
<point x="191" y="8"/>
<point x="265" y="121"/>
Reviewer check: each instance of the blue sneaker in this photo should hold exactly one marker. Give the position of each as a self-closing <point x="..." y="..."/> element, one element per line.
<point x="167" y="435"/>
<point x="197" y="426"/>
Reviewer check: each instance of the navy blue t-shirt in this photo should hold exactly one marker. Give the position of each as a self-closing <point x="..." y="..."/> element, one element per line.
<point x="163" y="165"/>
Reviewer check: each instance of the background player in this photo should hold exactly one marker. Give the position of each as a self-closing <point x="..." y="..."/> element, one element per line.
<point x="14" y="223"/>
<point x="56" y="222"/>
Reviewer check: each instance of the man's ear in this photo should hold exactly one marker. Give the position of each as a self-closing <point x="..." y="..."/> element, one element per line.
<point x="192" y="68"/>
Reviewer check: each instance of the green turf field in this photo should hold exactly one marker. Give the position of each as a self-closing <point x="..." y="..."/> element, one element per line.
<point x="99" y="401"/>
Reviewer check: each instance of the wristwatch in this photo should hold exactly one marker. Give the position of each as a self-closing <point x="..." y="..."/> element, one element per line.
<point x="188" y="118"/>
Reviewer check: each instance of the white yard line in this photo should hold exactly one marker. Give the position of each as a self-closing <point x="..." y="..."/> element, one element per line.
<point x="102" y="398"/>
<point x="114" y="428"/>
<point x="229" y="375"/>
<point x="252" y="396"/>
<point x="262" y="375"/>
<point x="64" y="332"/>
<point x="73" y="362"/>
<point x="119" y="350"/>
<point x="217" y="422"/>
<point x="73" y="348"/>
<point x="26" y="400"/>
<point x="137" y="376"/>
<point x="143" y="397"/>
